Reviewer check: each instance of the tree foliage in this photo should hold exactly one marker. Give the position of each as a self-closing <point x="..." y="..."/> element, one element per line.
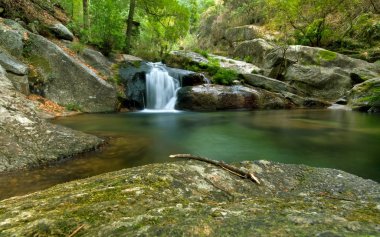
<point x="158" y="24"/>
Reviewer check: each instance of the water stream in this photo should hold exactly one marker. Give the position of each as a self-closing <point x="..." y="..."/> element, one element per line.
<point x="161" y="89"/>
<point x="323" y="138"/>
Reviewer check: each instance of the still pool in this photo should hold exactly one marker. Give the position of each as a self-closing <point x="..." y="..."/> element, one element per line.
<point x="344" y="140"/>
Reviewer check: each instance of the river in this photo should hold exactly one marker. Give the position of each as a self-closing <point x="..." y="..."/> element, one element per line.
<point x="344" y="140"/>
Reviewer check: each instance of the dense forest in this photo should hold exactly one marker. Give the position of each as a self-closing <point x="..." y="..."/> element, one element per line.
<point x="153" y="28"/>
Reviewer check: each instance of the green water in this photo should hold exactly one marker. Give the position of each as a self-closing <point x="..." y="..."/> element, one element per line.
<point x="343" y="140"/>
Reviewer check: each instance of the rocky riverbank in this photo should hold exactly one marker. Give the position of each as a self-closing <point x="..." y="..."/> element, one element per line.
<point x="197" y="199"/>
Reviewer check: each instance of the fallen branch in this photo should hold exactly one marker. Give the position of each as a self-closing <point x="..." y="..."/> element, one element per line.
<point x="76" y="230"/>
<point x="232" y="169"/>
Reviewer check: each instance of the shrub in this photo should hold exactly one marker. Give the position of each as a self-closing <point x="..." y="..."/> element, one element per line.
<point x="225" y="76"/>
<point x="77" y="47"/>
<point x="73" y="107"/>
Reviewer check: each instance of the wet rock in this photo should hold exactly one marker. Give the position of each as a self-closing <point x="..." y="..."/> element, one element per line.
<point x="194" y="198"/>
<point x="61" y="32"/>
<point x="366" y="96"/>
<point x="217" y="97"/>
<point x="26" y="140"/>
<point x="194" y="79"/>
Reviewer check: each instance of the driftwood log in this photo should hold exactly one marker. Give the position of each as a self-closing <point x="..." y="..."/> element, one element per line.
<point x="232" y="169"/>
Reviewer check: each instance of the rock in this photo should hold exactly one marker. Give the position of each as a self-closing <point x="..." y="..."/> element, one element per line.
<point x="17" y="72"/>
<point x="217" y="97"/>
<point x="194" y="79"/>
<point x="68" y="81"/>
<point x="327" y="84"/>
<point x="21" y="83"/>
<point x="61" y="32"/>
<point x="11" y="38"/>
<point x="133" y="77"/>
<point x="192" y="198"/>
<point x="186" y="57"/>
<point x="269" y="84"/>
<point x="255" y="50"/>
<point x="236" y="65"/>
<point x="26" y="140"/>
<point x="47" y="13"/>
<point x="242" y="33"/>
<point x="60" y="77"/>
<point x="366" y="96"/>
<point x="10" y="64"/>
<point x="303" y="55"/>
<point x="98" y="61"/>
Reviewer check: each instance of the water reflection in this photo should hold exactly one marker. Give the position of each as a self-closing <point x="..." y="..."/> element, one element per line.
<point x="328" y="138"/>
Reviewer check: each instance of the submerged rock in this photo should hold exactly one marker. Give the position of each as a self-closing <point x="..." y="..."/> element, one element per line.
<point x="192" y="198"/>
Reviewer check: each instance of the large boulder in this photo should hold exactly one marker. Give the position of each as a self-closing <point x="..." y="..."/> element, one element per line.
<point x="68" y="81"/>
<point x="303" y="55"/>
<point x="217" y="97"/>
<point x="11" y="38"/>
<point x="98" y="61"/>
<point x="26" y="140"/>
<point x="328" y="84"/>
<point x="17" y="72"/>
<point x="254" y="50"/>
<point x="317" y="72"/>
<point x="59" y="76"/>
<point x="242" y="33"/>
<point x="193" y="198"/>
<point x="366" y="96"/>
<point x="61" y="32"/>
<point x="269" y="84"/>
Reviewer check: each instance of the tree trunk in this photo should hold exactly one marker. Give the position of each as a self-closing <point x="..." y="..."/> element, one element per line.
<point x="132" y="6"/>
<point x="86" y="22"/>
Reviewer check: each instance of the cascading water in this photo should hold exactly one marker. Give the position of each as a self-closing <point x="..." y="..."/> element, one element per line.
<point x="161" y="88"/>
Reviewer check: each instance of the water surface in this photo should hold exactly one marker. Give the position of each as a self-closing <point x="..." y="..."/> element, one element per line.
<point x="325" y="138"/>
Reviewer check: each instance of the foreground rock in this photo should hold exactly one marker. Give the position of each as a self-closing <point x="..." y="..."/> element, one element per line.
<point x="197" y="199"/>
<point x="366" y="96"/>
<point x="26" y="140"/>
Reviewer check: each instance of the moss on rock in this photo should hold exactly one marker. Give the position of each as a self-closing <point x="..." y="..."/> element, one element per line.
<point x="196" y="199"/>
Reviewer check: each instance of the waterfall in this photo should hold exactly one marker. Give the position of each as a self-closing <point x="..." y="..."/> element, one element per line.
<point x="161" y="88"/>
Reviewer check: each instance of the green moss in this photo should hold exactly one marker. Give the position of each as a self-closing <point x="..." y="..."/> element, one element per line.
<point x="77" y="47"/>
<point x="73" y="107"/>
<point x="225" y="76"/>
<point x="327" y="55"/>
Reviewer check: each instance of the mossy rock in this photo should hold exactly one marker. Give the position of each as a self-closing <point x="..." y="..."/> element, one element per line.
<point x="193" y="198"/>
<point x="366" y="96"/>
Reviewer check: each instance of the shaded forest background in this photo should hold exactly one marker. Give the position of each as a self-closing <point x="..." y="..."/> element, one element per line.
<point x="150" y="29"/>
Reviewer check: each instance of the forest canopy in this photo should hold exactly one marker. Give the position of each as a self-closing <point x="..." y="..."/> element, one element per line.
<point x="147" y="28"/>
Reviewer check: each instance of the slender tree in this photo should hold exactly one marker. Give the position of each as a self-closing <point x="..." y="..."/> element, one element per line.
<point x="86" y="22"/>
<point x="132" y="7"/>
